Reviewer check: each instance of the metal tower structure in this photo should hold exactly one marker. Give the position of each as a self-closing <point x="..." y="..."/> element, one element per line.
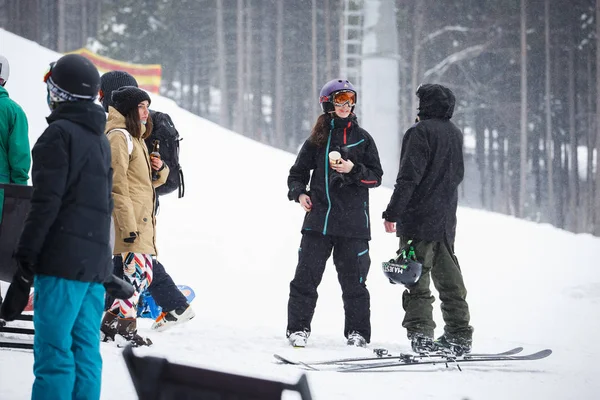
<point x="351" y="34"/>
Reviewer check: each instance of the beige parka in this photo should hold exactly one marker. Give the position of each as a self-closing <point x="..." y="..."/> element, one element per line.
<point x="133" y="189"/>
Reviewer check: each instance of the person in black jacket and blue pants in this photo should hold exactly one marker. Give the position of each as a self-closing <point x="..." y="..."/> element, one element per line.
<point x="341" y="163"/>
<point x="422" y="211"/>
<point x="64" y="247"/>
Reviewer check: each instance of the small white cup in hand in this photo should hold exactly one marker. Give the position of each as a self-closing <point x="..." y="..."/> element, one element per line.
<point x="335" y="157"/>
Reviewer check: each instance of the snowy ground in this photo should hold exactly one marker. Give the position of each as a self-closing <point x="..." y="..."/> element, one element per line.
<point x="234" y="238"/>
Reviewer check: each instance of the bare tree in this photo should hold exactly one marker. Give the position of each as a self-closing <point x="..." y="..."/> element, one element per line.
<point x="573" y="159"/>
<point x="313" y="110"/>
<point x="84" y="22"/>
<point x="419" y="11"/>
<point x="596" y="192"/>
<point x="523" y="147"/>
<point x="239" y="115"/>
<point x="60" y="42"/>
<point x="278" y="101"/>
<point x="548" y="111"/>
<point x="250" y="128"/>
<point x="222" y="65"/>
<point x="592" y="122"/>
<point x="328" y="44"/>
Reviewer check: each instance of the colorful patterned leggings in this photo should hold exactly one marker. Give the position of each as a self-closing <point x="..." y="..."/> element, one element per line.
<point x="137" y="269"/>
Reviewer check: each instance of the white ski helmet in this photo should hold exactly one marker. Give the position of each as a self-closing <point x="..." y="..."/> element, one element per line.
<point x="4" y="70"/>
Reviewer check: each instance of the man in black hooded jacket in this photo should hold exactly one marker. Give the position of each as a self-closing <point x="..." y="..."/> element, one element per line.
<point x="423" y="209"/>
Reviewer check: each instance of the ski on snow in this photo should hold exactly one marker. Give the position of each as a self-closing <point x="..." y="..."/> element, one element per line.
<point x="403" y="360"/>
<point x="383" y="356"/>
<point x="449" y="361"/>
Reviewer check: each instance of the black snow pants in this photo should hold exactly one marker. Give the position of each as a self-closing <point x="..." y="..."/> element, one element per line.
<point x="163" y="289"/>
<point x="352" y="262"/>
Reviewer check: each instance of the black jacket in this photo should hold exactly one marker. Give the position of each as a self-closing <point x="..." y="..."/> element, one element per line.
<point x="340" y="202"/>
<point x="66" y="233"/>
<point x="425" y="196"/>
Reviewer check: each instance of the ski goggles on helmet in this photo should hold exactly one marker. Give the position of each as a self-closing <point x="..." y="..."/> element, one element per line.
<point x="344" y="97"/>
<point x="49" y="72"/>
<point x="57" y="94"/>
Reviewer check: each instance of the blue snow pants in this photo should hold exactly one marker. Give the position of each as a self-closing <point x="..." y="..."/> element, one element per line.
<point x="67" y="316"/>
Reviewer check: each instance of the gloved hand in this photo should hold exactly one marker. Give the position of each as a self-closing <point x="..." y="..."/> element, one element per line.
<point x="128" y="264"/>
<point x="17" y="295"/>
<point x="131" y="238"/>
<point x="118" y="288"/>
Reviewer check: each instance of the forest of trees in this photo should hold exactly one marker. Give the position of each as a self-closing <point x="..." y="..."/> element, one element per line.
<point x="525" y="72"/>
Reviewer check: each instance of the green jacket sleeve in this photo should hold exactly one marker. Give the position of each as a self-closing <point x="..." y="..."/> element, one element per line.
<point x="19" y="154"/>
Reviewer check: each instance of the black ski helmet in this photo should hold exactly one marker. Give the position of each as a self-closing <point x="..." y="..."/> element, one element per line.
<point x="332" y="87"/>
<point x="405" y="269"/>
<point x="72" y="78"/>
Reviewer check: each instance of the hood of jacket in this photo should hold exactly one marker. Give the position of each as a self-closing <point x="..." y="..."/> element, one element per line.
<point x="85" y="113"/>
<point x="116" y="120"/>
<point x="435" y="101"/>
<point x="3" y="92"/>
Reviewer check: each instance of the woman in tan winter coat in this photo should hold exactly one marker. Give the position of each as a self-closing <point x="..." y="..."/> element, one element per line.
<point x="134" y="198"/>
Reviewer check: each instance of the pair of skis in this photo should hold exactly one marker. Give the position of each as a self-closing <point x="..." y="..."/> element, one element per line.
<point x="404" y="360"/>
<point x="20" y="338"/>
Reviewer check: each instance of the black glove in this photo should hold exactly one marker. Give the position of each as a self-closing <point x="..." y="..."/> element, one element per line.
<point x="17" y="295"/>
<point x="131" y="238"/>
<point x="118" y="288"/>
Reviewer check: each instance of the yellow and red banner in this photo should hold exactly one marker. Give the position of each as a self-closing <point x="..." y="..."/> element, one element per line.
<point x="148" y="76"/>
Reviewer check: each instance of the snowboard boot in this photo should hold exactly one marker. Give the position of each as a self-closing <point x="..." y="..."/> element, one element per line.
<point x="127" y="328"/>
<point x="169" y="319"/>
<point x="298" y="339"/>
<point x="108" y="327"/>
<point x="456" y="345"/>
<point x="356" y="339"/>
<point x="421" y="343"/>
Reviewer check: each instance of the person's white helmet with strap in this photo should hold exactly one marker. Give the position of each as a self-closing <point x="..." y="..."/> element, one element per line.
<point x="4" y="70"/>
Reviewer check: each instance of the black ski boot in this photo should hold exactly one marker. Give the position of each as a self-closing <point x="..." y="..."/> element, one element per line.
<point x="127" y="328"/>
<point x="421" y="343"/>
<point x="108" y="327"/>
<point x="457" y="345"/>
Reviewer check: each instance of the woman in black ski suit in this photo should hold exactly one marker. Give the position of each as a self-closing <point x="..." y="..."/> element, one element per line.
<point x="337" y="214"/>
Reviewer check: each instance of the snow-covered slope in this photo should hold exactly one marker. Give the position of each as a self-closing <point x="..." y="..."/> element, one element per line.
<point x="234" y="238"/>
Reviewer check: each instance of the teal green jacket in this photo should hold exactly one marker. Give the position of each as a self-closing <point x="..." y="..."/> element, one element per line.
<point x="15" y="153"/>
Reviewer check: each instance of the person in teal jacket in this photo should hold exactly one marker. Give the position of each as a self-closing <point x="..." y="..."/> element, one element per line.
<point x="15" y="153"/>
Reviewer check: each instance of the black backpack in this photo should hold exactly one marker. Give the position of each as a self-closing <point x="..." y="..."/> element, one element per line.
<point x="164" y="131"/>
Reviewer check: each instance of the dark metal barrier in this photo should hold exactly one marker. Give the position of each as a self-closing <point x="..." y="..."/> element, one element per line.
<point x="14" y="211"/>
<point x="157" y="379"/>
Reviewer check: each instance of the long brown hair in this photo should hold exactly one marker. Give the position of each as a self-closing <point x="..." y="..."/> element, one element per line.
<point x="134" y="126"/>
<point x="320" y="131"/>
